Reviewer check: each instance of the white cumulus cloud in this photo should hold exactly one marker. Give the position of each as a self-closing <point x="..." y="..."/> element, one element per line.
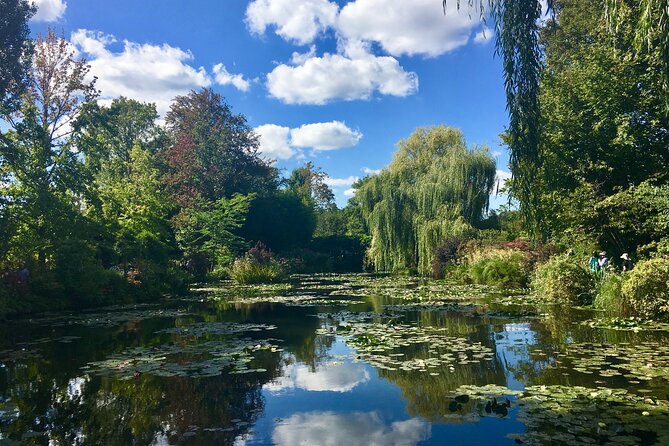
<point x="145" y="72"/>
<point x="319" y="80"/>
<point x="223" y="77"/>
<point x="369" y="171"/>
<point x="49" y="10"/>
<point x="325" y="136"/>
<point x="274" y="141"/>
<point x="278" y="142"/>
<point x="327" y="378"/>
<point x="484" y="35"/>
<point x="350" y="192"/>
<point x="408" y="27"/>
<point x="501" y="178"/>
<point x="299" y="21"/>
<point x="340" y="182"/>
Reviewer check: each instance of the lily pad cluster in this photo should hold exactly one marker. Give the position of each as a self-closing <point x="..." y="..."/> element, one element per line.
<point x="585" y="416"/>
<point x="470" y="402"/>
<point x="200" y="329"/>
<point x="190" y="359"/>
<point x="227" y="289"/>
<point x="8" y="411"/>
<point x="410" y="288"/>
<point x="642" y="362"/>
<point x="391" y="346"/>
<point x="626" y="324"/>
<point x="108" y="318"/>
<point x="296" y="300"/>
<point x="31" y="349"/>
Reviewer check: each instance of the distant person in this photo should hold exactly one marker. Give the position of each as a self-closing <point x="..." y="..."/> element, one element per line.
<point x="626" y="263"/>
<point x="24" y="274"/>
<point x="603" y="261"/>
<point x="594" y="262"/>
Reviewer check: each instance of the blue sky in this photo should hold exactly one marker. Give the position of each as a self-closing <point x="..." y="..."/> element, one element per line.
<point x="337" y="83"/>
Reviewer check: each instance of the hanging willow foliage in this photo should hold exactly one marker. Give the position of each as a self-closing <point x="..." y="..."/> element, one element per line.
<point x="434" y="188"/>
<point x="517" y="42"/>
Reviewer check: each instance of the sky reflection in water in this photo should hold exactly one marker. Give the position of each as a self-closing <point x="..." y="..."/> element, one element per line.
<point x="316" y="389"/>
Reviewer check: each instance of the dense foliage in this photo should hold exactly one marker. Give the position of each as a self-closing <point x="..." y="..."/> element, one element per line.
<point x="647" y="288"/>
<point x="564" y="280"/>
<point x="101" y="204"/>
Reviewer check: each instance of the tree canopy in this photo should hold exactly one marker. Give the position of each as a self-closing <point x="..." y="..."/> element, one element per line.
<point x="434" y="188"/>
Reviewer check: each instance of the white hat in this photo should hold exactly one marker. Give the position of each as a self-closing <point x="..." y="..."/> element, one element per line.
<point x="625" y="256"/>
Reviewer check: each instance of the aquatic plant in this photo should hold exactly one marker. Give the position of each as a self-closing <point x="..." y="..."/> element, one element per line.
<point x="610" y="297"/>
<point x="248" y="271"/>
<point x="385" y="346"/>
<point x="190" y="357"/>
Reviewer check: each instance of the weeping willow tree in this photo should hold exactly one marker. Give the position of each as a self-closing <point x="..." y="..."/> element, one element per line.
<point x="435" y="188"/>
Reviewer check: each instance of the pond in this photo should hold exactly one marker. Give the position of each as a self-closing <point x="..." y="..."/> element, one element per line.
<point x="334" y="360"/>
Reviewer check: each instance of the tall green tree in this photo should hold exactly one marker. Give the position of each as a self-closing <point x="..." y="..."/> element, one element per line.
<point x="15" y="49"/>
<point x="434" y="188"/>
<point x="44" y="168"/>
<point x="517" y="31"/>
<point x="127" y="196"/>
<point x="214" y="153"/>
<point x="604" y="125"/>
<point x="651" y="29"/>
<point x="213" y="171"/>
<point x="308" y="182"/>
<point x="517" y="42"/>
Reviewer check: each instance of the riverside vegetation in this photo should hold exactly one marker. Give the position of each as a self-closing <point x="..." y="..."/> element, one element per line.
<point x="102" y="205"/>
<point x="137" y="265"/>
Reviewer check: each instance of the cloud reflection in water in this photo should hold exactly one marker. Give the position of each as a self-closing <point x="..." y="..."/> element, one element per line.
<point x="351" y="429"/>
<point x="331" y="377"/>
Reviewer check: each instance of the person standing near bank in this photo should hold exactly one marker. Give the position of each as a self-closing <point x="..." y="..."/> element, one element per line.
<point x="594" y="262"/>
<point x="603" y="261"/>
<point x="626" y="264"/>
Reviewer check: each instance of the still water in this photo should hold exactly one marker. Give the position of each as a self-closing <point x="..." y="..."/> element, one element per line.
<point x="333" y="360"/>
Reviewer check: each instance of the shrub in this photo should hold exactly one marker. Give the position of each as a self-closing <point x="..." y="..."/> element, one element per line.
<point x="647" y="288"/>
<point x="507" y="269"/>
<point x="506" y="265"/>
<point x="257" y="266"/>
<point x="248" y="271"/>
<point x="561" y="279"/>
<point x="610" y="295"/>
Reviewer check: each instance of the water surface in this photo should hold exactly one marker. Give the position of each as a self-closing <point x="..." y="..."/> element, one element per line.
<point x="332" y="360"/>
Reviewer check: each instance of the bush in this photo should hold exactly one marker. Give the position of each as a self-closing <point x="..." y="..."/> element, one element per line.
<point x="257" y="266"/>
<point x="507" y="265"/>
<point x="561" y="279"/>
<point x="610" y="295"/>
<point x="647" y="288"/>
<point x="507" y="269"/>
<point x="248" y="271"/>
